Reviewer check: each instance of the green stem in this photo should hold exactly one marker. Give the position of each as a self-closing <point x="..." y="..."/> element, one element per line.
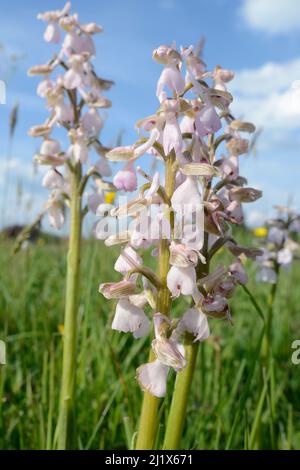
<point x="254" y="302"/>
<point x="149" y="414"/>
<point x="66" y="423"/>
<point x="148" y="419"/>
<point x="257" y="419"/>
<point x="184" y="378"/>
<point x="180" y="398"/>
<point x="266" y="349"/>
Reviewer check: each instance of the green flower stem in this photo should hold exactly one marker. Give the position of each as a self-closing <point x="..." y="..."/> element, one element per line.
<point x="149" y="414"/>
<point x="254" y="302"/>
<point x="66" y="423"/>
<point x="148" y="420"/>
<point x="266" y="349"/>
<point x="180" y="398"/>
<point x="184" y="378"/>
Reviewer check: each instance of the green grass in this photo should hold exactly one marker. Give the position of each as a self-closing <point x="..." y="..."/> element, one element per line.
<point x="226" y="397"/>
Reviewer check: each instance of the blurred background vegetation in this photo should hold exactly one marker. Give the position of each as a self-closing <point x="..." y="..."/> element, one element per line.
<point x="226" y="395"/>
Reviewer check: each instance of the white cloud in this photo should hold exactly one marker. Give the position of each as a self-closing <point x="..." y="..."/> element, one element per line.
<point x="269" y="96"/>
<point x="272" y="16"/>
<point x="270" y="77"/>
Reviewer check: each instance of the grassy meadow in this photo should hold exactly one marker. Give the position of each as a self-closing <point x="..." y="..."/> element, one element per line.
<point x="226" y="408"/>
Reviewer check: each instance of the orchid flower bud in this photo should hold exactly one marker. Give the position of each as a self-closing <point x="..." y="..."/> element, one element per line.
<point x="162" y="325"/>
<point x="167" y="353"/>
<point x="117" y="290"/>
<point x="237" y="146"/>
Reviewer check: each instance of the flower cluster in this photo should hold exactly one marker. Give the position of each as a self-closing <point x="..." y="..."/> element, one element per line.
<point x="73" y="94"/>
<point x="184" y="213"/>
<point x="280" y="245"/>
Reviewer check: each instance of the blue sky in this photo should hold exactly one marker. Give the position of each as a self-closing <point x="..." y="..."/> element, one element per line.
<point x="258" y="39"/>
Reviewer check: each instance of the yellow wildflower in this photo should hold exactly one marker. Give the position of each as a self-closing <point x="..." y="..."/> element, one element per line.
<point x="110" y="197"/>
<point x="260" y="232"/>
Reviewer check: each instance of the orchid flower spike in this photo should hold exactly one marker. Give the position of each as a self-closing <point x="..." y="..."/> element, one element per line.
<point x="74" y="95"/>
<point x="182" y="214"/>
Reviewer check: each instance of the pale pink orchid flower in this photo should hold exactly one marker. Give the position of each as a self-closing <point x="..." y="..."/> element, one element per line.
<point x="194" y="322"/>
<point x="181" y="281"/>
<point x="285" y="257"/>
<point x="152" y="377"/>
<point x="94" y="199"/>
<point x="238" y="272"/>
<point x="152" y="191"/>
<point x="74" y="76"/>
<point x="207" y="121"/>
<point x="192" y="237"/>
<point x="172" y="138"/>
<point x="187" y="124"/>
<point x="195" y="66"/>
<point x="55" y="15"/>
<point x="53" y="179"/>
<point x="79" y="149"/>
<point x="144" y="148"/>
<point x="63" y="113"/>
<point x="127" y="260"/>
<point x="266" y="274"/>
<point x="216" y="304"/>
<point x="72" y="44"/>
<point x="182" y="256"/>
<point x="167" y="351"/>
<point x="237" y="146"/>
<point x="44" y="87"/>
<point x="234" y="212"/>
<point x="166" y="54"/>
<point x="276" y="235"/>
<point x="162" y="325"/>
<point x="179" y="179"/>
<point x="102" y="167"/>
<point x="126" y="179"/>
<point x="130" y="319"/>
<point x="171" y="78"/>
<point x="221" y="77"/>
<point x="52" y="33"/>
<point x="149" y="229"/>
<point x="230" y="167"/>
<point x="187" y="196"/>
<point x="50" y="148"/>
<point x="92" y="122"/>
<point x="56" y="212"/>
<point x="117" y="290"/>
<point x="86" y="45"/>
